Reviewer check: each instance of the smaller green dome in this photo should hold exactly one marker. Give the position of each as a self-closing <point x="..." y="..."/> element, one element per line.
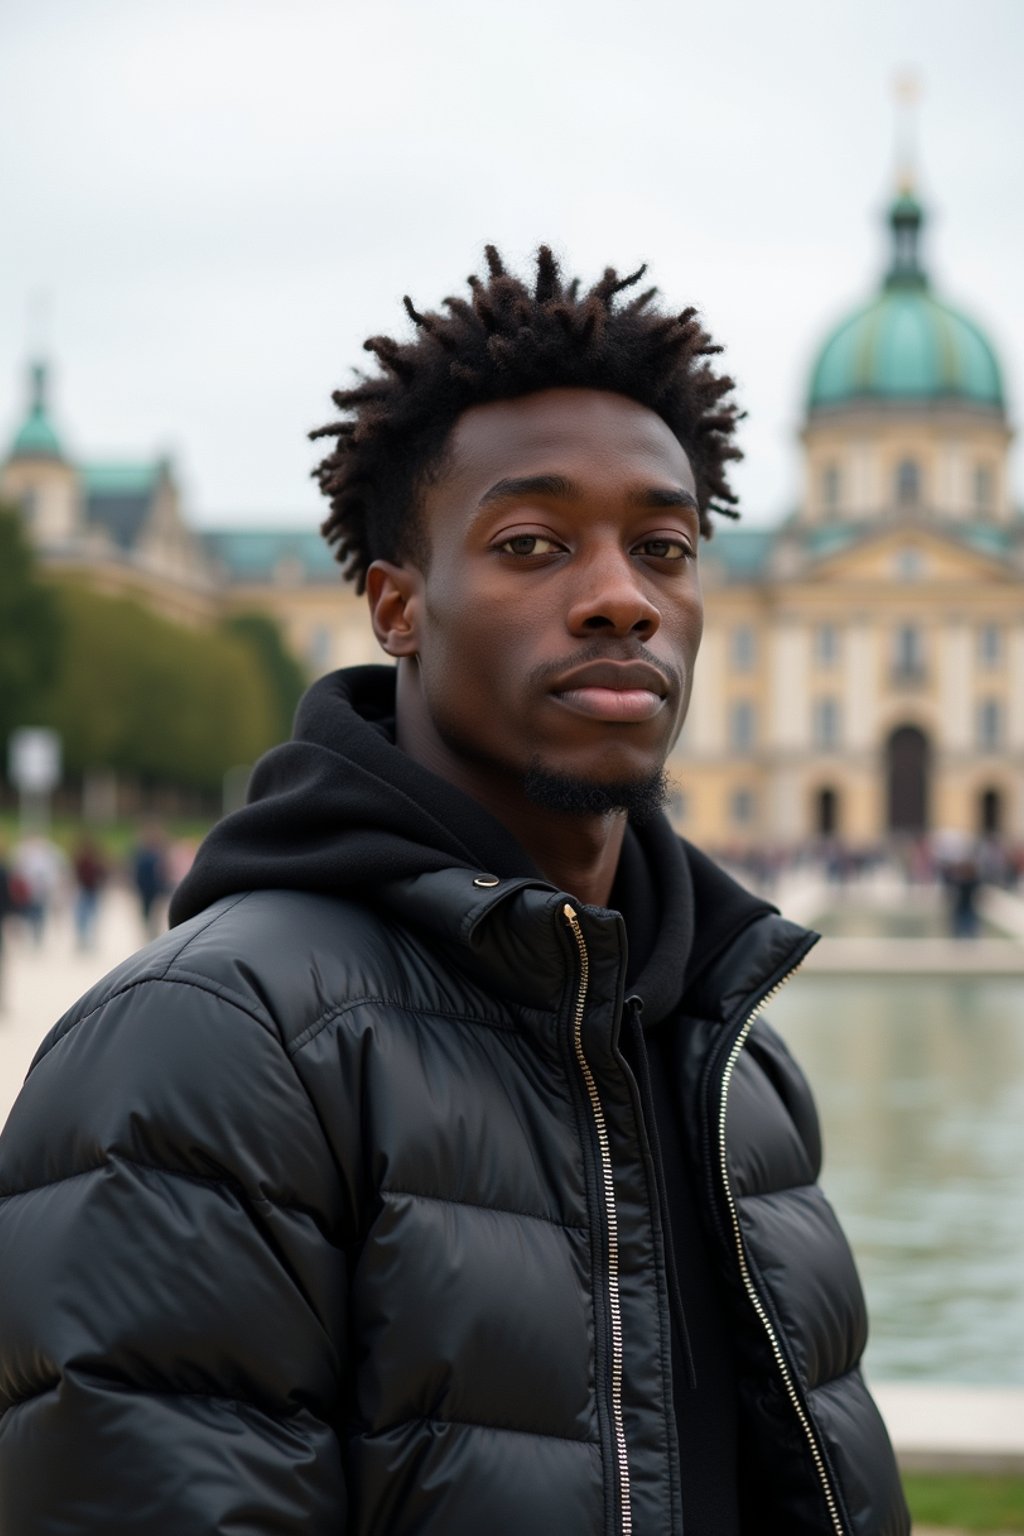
<point x="36" y="437"/>
<point x="906" y="345"/>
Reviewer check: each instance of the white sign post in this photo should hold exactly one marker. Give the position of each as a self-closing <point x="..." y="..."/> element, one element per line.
<point x="33" y="767"/>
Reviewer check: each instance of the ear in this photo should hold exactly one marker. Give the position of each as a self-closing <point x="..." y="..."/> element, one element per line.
<point x="394" y="594"/>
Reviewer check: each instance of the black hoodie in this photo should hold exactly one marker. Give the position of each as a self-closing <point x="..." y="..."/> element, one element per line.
<point x="340" y="808"/>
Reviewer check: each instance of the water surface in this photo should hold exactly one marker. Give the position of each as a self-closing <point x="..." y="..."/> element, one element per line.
<point x="920" y="1085"/>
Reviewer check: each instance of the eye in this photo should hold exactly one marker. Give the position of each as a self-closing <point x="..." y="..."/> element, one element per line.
<point x="664" y="548"/>
<point x="528" y="544"/>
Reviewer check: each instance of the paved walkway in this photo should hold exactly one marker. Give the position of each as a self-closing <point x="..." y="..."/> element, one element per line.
<point x="954" y="1428"/>
<point x="38" y="985"/>
<point x="933" y="1427"/>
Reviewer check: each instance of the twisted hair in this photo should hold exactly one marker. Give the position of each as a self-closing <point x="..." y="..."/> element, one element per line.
<point x="505" y="340"/>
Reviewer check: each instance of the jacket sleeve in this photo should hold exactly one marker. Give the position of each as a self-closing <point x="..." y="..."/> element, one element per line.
<point x="172" y="1354"/>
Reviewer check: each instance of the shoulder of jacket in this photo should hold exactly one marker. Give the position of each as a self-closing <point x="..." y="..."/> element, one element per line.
<point x="264" y="953"/>
<point x="175" y="1064"/>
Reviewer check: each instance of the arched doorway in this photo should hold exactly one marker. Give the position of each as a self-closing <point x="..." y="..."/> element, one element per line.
<point x="908" y="760"/>
<point x="826" y="812"/>
<point x="990" y="813"/>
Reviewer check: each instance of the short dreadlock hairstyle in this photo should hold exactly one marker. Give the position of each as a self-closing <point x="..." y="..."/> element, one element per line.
<point x="505" y="340"/>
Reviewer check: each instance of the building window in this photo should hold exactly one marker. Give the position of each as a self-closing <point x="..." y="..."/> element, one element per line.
<point x="741" y="807"/>
<point x="825" y="723"/>
<point x="990" y="813"/>
<point x="908" y="653"/>
<point x="990" y="645"/>
<point x="908" y="483"/>
<point x="741" y="726"/>
<point x="990" y="725"/>
<point x="28" y="506"/>
<point x="908" y="564"/>
<point x="982" y="488"/>
<point x="831" y="485"/>
<point x="827" y="813"/>
<point x="743" y="648"/>
<point x="826" y="645"/>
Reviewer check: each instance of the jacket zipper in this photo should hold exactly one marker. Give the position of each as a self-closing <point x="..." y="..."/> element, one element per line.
<point x="611" y="1218"/>
<point x="745" y="1275"/>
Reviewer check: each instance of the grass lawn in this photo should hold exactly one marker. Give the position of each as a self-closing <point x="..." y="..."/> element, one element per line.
<point x="965" y="1501"/>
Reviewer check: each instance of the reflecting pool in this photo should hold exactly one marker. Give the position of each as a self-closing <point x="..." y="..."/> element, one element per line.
<point x="920" y="1085"/>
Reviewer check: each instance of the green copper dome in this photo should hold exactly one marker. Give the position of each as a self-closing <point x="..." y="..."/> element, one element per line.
<point x="36" y="437"/>
<point x="906" y="345"/>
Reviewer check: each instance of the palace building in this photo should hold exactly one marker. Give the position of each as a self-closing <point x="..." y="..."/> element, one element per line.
<point x="118" y="523"/>
<point x="862" y="669"/>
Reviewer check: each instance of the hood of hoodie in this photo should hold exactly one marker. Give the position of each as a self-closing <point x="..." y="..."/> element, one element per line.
<point x="341" y="809"/>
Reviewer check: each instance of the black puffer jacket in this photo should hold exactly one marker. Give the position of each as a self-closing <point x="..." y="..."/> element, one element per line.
<point x="340" y="1216"/>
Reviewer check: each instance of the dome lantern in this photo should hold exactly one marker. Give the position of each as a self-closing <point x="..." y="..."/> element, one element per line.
<point x="906" y="346"/>
<point x="906" y="217"/>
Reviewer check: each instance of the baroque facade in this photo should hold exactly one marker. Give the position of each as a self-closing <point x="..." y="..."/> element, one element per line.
<point x="118" y="523"/>
<point x="120" y="526"/>
<point x="862" y="669"/>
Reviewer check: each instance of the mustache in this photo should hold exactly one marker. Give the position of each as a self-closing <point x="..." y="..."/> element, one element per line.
<point x="607" y="650"/>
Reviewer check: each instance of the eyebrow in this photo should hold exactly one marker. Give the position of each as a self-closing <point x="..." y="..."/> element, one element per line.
<point x="558" y="486"/>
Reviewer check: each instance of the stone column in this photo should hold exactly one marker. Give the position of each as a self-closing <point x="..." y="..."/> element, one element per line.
<point x="860" y="686"/>
<point x="789" y="717"/>
<point x="704" y="731"/>
<point x="956" y="689"/>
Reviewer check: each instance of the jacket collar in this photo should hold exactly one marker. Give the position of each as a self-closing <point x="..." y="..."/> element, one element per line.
<point x="743" y="947"/>
<point x="511" y="934"/>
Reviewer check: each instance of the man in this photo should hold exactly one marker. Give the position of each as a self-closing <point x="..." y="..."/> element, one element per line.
<point x="435" y="1174"/>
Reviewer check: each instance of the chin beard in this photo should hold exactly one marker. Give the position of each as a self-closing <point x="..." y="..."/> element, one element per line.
<point x="641" y="799"/>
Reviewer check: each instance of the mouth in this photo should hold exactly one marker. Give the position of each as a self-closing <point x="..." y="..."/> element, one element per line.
<point x="620" y="692"/>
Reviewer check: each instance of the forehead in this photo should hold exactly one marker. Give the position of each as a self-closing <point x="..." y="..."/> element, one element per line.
<point x="589" y="433"/>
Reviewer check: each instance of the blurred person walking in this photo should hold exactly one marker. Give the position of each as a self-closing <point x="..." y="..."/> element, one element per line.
<point x="91" y="872"/>
<point x="963" y="881"/>
<point x="39" y="868"/>
<point x="151" y="878"/>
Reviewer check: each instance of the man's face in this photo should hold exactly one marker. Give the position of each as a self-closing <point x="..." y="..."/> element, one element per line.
<point x="557" y="624"/>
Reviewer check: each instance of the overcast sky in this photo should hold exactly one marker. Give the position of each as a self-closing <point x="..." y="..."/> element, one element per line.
<point x="219" y="199"/>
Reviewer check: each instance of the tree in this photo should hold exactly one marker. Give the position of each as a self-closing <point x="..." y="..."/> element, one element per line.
<point x="283" y="673"/>
<point x="155" y="700"/>
<point x="30" y="630"/>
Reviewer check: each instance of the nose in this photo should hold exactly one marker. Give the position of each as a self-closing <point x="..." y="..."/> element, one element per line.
<point x="610" y="598"/>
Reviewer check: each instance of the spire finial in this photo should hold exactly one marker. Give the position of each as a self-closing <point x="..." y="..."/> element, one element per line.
<point x="907" y="93"/>
<point x="37" y="377"/>
<point x="905" y="213"/>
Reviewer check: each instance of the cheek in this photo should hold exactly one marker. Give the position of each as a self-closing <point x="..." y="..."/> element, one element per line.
<point x="695" y="616"/>
<point x="698" y="630"/>
<point x="458" y="658"/>
<point x="688" y="628"/>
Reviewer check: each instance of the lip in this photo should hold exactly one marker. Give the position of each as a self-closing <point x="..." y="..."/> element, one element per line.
<point x="622" y="692"/>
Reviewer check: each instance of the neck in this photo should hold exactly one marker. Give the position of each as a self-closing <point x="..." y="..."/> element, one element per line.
<point x="579" y="854"/>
